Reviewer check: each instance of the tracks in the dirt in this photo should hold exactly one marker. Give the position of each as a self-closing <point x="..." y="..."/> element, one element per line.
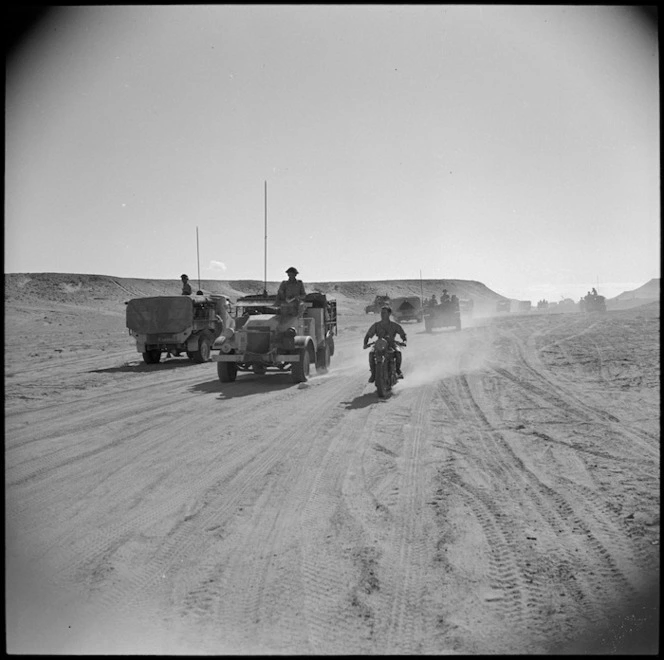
<point x="464" y="513"/>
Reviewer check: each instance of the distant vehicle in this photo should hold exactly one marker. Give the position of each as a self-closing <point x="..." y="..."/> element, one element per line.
<point x="407" y="308"/>
<point x="503" y="306"/>
<point x="177" y="324"/>
<point x="278" y="337"/>
<point x="525" y="305"/>
<point x="542" y="304"/>
<point x="375" y="306"/>
<point x="445" y="314"/>
<point x="592" y="302"/>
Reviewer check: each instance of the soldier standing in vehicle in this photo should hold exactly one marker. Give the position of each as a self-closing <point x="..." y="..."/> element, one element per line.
<point x="388" y="330"/>
<point x="186" y="287"/>
<point x="434" y="302"/>
<point x="291" y="288"/>
<point x="445" y="297"/>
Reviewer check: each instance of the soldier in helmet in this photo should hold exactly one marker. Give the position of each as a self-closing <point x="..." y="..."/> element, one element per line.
<point x="387" y="329"/>
<point x="186" y="287"/>
<point x="291" y="289"/>
<point x="445" y="297"/>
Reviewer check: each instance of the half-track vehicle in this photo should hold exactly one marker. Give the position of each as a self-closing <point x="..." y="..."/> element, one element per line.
<point x="592" y="302"/>
<point x="177" y="324"/>
<point x="273" y="336"/>
<point x="445" y="314"/>
<point x="407" y="308"/>
<point x="375" y="306"/>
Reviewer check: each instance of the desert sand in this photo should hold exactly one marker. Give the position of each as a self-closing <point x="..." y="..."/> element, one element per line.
<point x="505" y="498"/>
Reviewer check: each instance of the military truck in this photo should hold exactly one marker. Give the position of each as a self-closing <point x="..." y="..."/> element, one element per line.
<point x="592" y="302"/>
<point x="375" y="306"/>
<point x="273" y="336"/>
<point x="178" y="324"/>
<point x="445" y="314"/>
<point x="407" y="308"/>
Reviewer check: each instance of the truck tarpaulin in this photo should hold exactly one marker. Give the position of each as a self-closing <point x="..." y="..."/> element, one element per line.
<point x="163" y="314"/>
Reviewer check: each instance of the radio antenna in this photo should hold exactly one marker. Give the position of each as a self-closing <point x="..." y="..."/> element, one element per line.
<point x="198" y="260"/>
<point x="265" y="248"/>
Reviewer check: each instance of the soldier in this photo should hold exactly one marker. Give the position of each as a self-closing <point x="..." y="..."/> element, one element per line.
<point x="186" y="287"/>
<point x="387" y="329"/>
<point x="445" y="297"/>
<point x="291" y="289"/>
<point x="434" y="302"/>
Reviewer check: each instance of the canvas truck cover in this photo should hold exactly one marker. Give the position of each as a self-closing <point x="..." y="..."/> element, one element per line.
<point x="159" y="315"/>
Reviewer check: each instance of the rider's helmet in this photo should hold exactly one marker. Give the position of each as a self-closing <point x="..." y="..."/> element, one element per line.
<point x="183" y="276"/>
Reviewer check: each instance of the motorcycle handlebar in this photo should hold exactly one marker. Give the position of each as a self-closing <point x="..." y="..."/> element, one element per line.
<point x="398" y="343"/>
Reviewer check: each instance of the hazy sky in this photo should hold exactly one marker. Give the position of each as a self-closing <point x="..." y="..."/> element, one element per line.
<point x="514" y="145"/>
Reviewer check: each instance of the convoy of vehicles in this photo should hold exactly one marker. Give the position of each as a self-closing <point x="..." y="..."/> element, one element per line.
<point x="273" y="336"/>
<point x="177" y="324"/>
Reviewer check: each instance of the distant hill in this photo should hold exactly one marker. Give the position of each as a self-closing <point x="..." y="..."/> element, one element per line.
<point x="643" y="295"/>
<point x="92" y="290"/>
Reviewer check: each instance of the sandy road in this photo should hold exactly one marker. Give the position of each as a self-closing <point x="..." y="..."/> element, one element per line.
<point x="504" y="499"/>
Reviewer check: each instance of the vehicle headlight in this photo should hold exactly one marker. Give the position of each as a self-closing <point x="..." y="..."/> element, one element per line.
<point x="291" y="332"/>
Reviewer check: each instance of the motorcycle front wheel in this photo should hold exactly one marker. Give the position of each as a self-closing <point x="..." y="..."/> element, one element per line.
<point x="382" y="380"/>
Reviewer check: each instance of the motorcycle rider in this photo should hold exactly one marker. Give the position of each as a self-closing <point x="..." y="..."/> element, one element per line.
<point x="388" y="330"/>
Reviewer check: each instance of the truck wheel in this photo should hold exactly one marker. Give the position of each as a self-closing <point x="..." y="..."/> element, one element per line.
<point x="203" y="352"/>
<point x="300" y="370"/>
<point x="330" y="341"/>
<point x="323" y="359"/>
<point x="153" y="356"/>
<point x="227" y="371"/>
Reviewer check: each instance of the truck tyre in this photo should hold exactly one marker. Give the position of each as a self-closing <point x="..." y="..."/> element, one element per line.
<point x="227" y="371"/>
<point x="323" y="359"/>
<point x="300" y="370"/>
<point x="153" y="356"/>
<point x="330" y="341"/>
<point x="203" y="352"/>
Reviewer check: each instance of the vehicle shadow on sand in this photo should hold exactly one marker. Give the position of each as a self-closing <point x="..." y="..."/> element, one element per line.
<point x="141" y="367"/>
<point x="245" y="386"/>
<point x="362" y="401"/>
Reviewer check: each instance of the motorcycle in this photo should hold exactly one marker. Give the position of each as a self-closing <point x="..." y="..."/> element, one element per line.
<point x="386" y="365"/>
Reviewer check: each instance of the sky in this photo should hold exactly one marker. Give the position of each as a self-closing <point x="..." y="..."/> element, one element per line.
<point x="517" y="146"/>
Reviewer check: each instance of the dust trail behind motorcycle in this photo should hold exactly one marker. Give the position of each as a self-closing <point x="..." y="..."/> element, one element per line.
<point x="443" y="353"/>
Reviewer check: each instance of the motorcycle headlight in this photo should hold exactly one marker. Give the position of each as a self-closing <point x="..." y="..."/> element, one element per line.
<point x="226" y="348"/>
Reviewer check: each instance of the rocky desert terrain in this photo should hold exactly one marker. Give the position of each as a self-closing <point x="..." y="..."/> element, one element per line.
<point x="505" y="499"/>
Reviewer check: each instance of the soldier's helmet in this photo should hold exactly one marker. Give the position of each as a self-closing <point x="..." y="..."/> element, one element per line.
<point x="184" y="277"/>
<point x="293" y="270"/>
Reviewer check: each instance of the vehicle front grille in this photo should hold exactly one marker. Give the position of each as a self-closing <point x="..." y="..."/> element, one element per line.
<point x="258" y="342"/>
